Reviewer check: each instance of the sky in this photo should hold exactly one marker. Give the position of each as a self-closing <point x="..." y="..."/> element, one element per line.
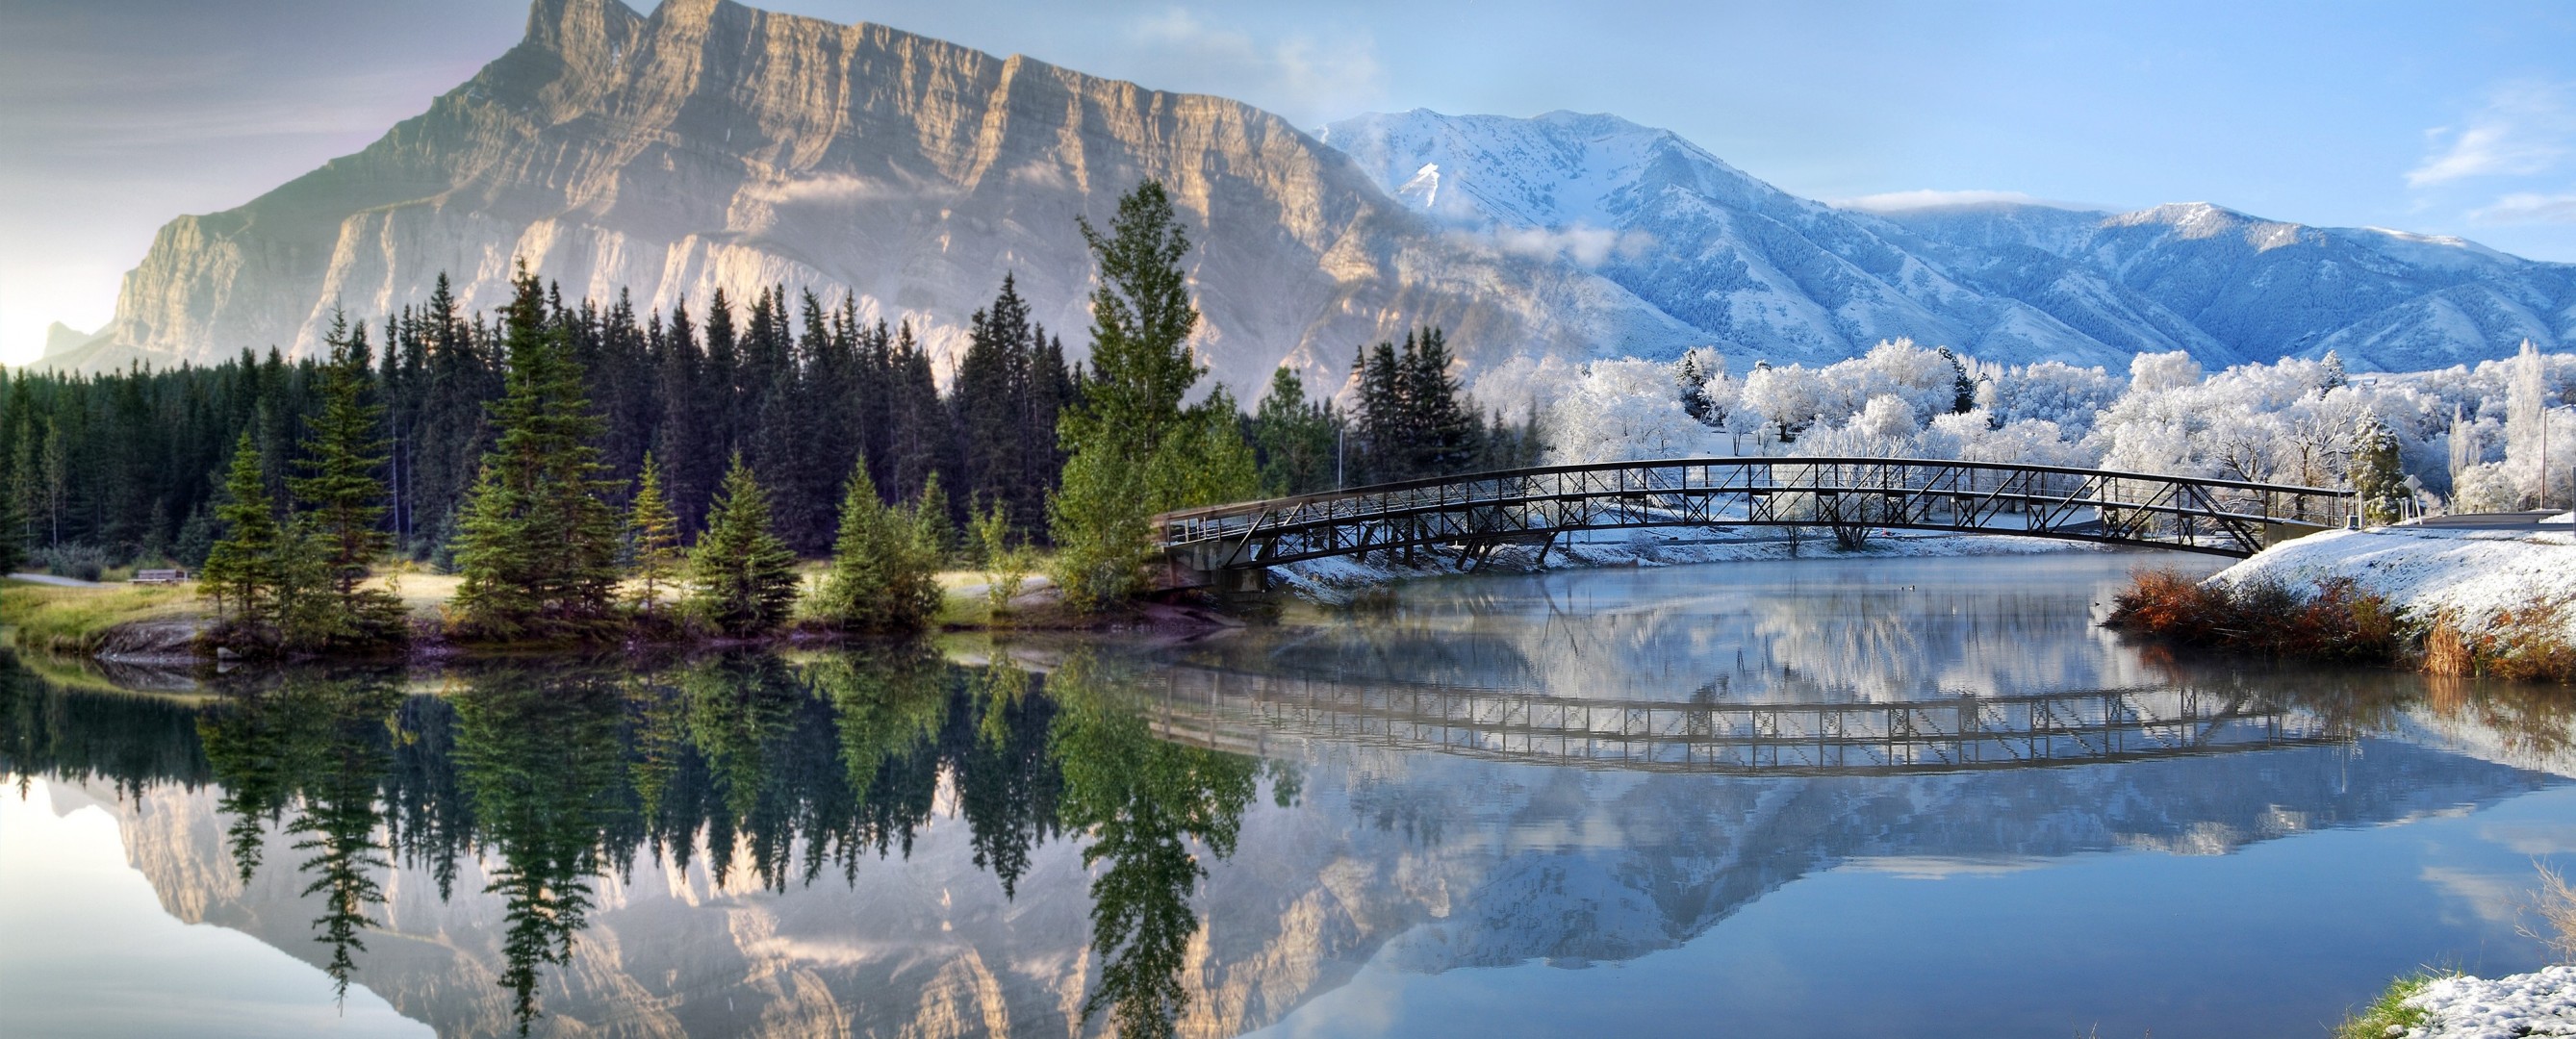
<point x="2440" y="118"/>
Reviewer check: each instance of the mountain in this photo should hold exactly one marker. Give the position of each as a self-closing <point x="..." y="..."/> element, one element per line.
<point x="2383" y="300"/>
<point x="1771" y="274"/>
<point x="713" y="146"/>
<point x="710" y="145"/>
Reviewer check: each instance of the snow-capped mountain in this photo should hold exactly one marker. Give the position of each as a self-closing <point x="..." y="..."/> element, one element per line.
<point x="2381" y="299"/>
<point x="1765" y="273"/>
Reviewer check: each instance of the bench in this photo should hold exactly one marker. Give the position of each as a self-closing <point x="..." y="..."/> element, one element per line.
<point x="159" y="576"/>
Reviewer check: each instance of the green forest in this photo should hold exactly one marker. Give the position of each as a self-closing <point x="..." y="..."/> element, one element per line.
<point x="555" y="454"/>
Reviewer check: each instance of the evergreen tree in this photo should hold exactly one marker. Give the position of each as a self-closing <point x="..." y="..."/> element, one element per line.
<point x="13" y="536"/>
<point x="538" y="544"/>
<point x="653" y="540"/>
<point x="344" y="452"/>
<point x="882" y="576"/>
<point x="994" y="381"/>
<point x="241" y="568"/>
<point x="2378" y="475"/>
<point x="1141" y="367"/>
<point x="742" y="577"/>
<point x="1296" y="439"/>
<point x="1385" y="419"/>
<point x="1442" y="428"/>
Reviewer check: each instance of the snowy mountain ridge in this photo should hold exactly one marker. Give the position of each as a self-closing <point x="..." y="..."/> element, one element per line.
<point x="1766" y="273"/>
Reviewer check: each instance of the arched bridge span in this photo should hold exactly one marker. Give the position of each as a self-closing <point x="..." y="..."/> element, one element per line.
<point x="1248" y="713"/>
<point x="1474" y="513"/>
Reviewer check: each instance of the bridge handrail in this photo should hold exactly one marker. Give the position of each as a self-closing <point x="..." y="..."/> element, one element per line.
<point x="1417" y="483"/>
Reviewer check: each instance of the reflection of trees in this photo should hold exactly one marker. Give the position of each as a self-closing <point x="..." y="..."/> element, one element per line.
<point x="1143" y="800"/>
<point x="320" y="745"/>
<point x="129" y="742"/>
<point x="554" y="776"/>
<point x="539" y="762"/>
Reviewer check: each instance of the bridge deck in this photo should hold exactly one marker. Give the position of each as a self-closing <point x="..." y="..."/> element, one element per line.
<point x="1472" y="513"/>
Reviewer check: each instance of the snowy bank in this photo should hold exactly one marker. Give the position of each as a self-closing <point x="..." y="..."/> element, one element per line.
<point x="1335" y="580"/>
<point x="2473" y="576"/>
<point x="2542" y="1002"/>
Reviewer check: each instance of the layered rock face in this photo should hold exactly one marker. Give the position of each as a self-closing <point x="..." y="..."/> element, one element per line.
<point x="710" y="145"/>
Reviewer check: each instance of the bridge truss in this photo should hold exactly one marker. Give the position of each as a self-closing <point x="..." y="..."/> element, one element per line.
<point x="1475" y="513"/>
<point x="1245" y="713"/>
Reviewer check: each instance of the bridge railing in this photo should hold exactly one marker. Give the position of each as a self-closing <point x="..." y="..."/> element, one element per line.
<point x="2146" y="508"/>
<point x="1244" y="712"/>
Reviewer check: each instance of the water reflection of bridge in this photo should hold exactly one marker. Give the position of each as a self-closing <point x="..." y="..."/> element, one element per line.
<point x="1251" y="713"/>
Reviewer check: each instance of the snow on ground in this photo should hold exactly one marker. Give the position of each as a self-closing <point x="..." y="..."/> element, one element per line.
<point x="2475" y="575"/>
<point x="2542" y="1002"/>
<point x="1335" y="579"/>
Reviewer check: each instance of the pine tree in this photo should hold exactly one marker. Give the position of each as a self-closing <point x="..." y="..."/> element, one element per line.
<point x="538" y="544"/>
<point x="1296" y="438"/>
<point x="13" y="536"/>
<point x="742" y="577"/>
<point x="653" y="540"/>
<point x="1141" y="318"/>
<point x="343" y="453"/>
<point x="1442" y="428"/>
<point x="882" y="577"/>
<point x="241" y="568"/>
<point x="2378" y="474"/>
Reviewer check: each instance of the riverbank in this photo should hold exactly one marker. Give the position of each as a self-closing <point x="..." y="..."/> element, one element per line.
<point x="2458" y="1006"/>
<point x="2469" y="601"/>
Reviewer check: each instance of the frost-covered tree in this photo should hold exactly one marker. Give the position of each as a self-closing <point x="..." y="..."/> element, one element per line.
<point x="2165" y="371"/>
<point x="1784" y="400"/>
<point x="1621" y="410"/>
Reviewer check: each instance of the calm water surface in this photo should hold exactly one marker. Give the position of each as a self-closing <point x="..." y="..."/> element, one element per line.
<point x="1814" y="798"/>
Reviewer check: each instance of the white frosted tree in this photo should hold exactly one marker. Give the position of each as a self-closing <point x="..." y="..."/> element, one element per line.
<point x="2165" y="371"/>
<point x="1783" y="400"/>
<point x="1624" y="410"/>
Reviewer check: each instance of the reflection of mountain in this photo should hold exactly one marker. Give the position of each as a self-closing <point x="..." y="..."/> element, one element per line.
<point x="783" y="851"/>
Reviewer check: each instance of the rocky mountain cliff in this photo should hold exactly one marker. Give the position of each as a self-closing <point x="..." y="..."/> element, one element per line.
<point x="1774" y="275"/>
<point x="710" y="145"/>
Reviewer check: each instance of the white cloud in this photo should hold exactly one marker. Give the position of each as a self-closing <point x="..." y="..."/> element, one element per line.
<point x="1588" y="246"/>
<point x="2525" y="128"/>
<point x="1297" y="76"/>
<point x="1926" y="198"/>
<point x="2528" y="207"/>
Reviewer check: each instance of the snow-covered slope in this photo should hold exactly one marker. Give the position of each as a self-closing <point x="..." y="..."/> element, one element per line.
<point x="1765" y="273"/>
<point x="2383" y="300"/>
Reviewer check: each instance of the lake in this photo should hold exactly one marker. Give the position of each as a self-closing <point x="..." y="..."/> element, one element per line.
<point x="1831" y="797"/>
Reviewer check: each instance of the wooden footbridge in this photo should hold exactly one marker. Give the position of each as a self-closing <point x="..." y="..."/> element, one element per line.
<point x="1471" y="515"/>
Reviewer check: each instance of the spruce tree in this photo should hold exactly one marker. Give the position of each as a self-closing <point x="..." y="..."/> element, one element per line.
<point x="1442" y="429"/>
<point x="653" y="540"/>
<point x="1296" y="438"/>
<point x="241" y="568"/>
<point x="742" y="577"/>
<point x="344" y="497"/>
<point x="538" y="544"/>
<point x="1141" y="367"/>
<point x="883" y="575"/>
<point x="13" y="529"/>
<point x="2378" y="473"/>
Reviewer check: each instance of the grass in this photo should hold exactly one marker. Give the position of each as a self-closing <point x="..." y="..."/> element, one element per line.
<point x="2389" y="1015"/>
<point x="71" y="620"/>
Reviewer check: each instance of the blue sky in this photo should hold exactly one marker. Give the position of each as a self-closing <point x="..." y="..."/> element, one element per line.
<point x="2455" y="118"/>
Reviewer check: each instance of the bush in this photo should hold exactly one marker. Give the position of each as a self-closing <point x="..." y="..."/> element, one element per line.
<point x="78" y="562"/>
<point x="2337" y="621"/>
